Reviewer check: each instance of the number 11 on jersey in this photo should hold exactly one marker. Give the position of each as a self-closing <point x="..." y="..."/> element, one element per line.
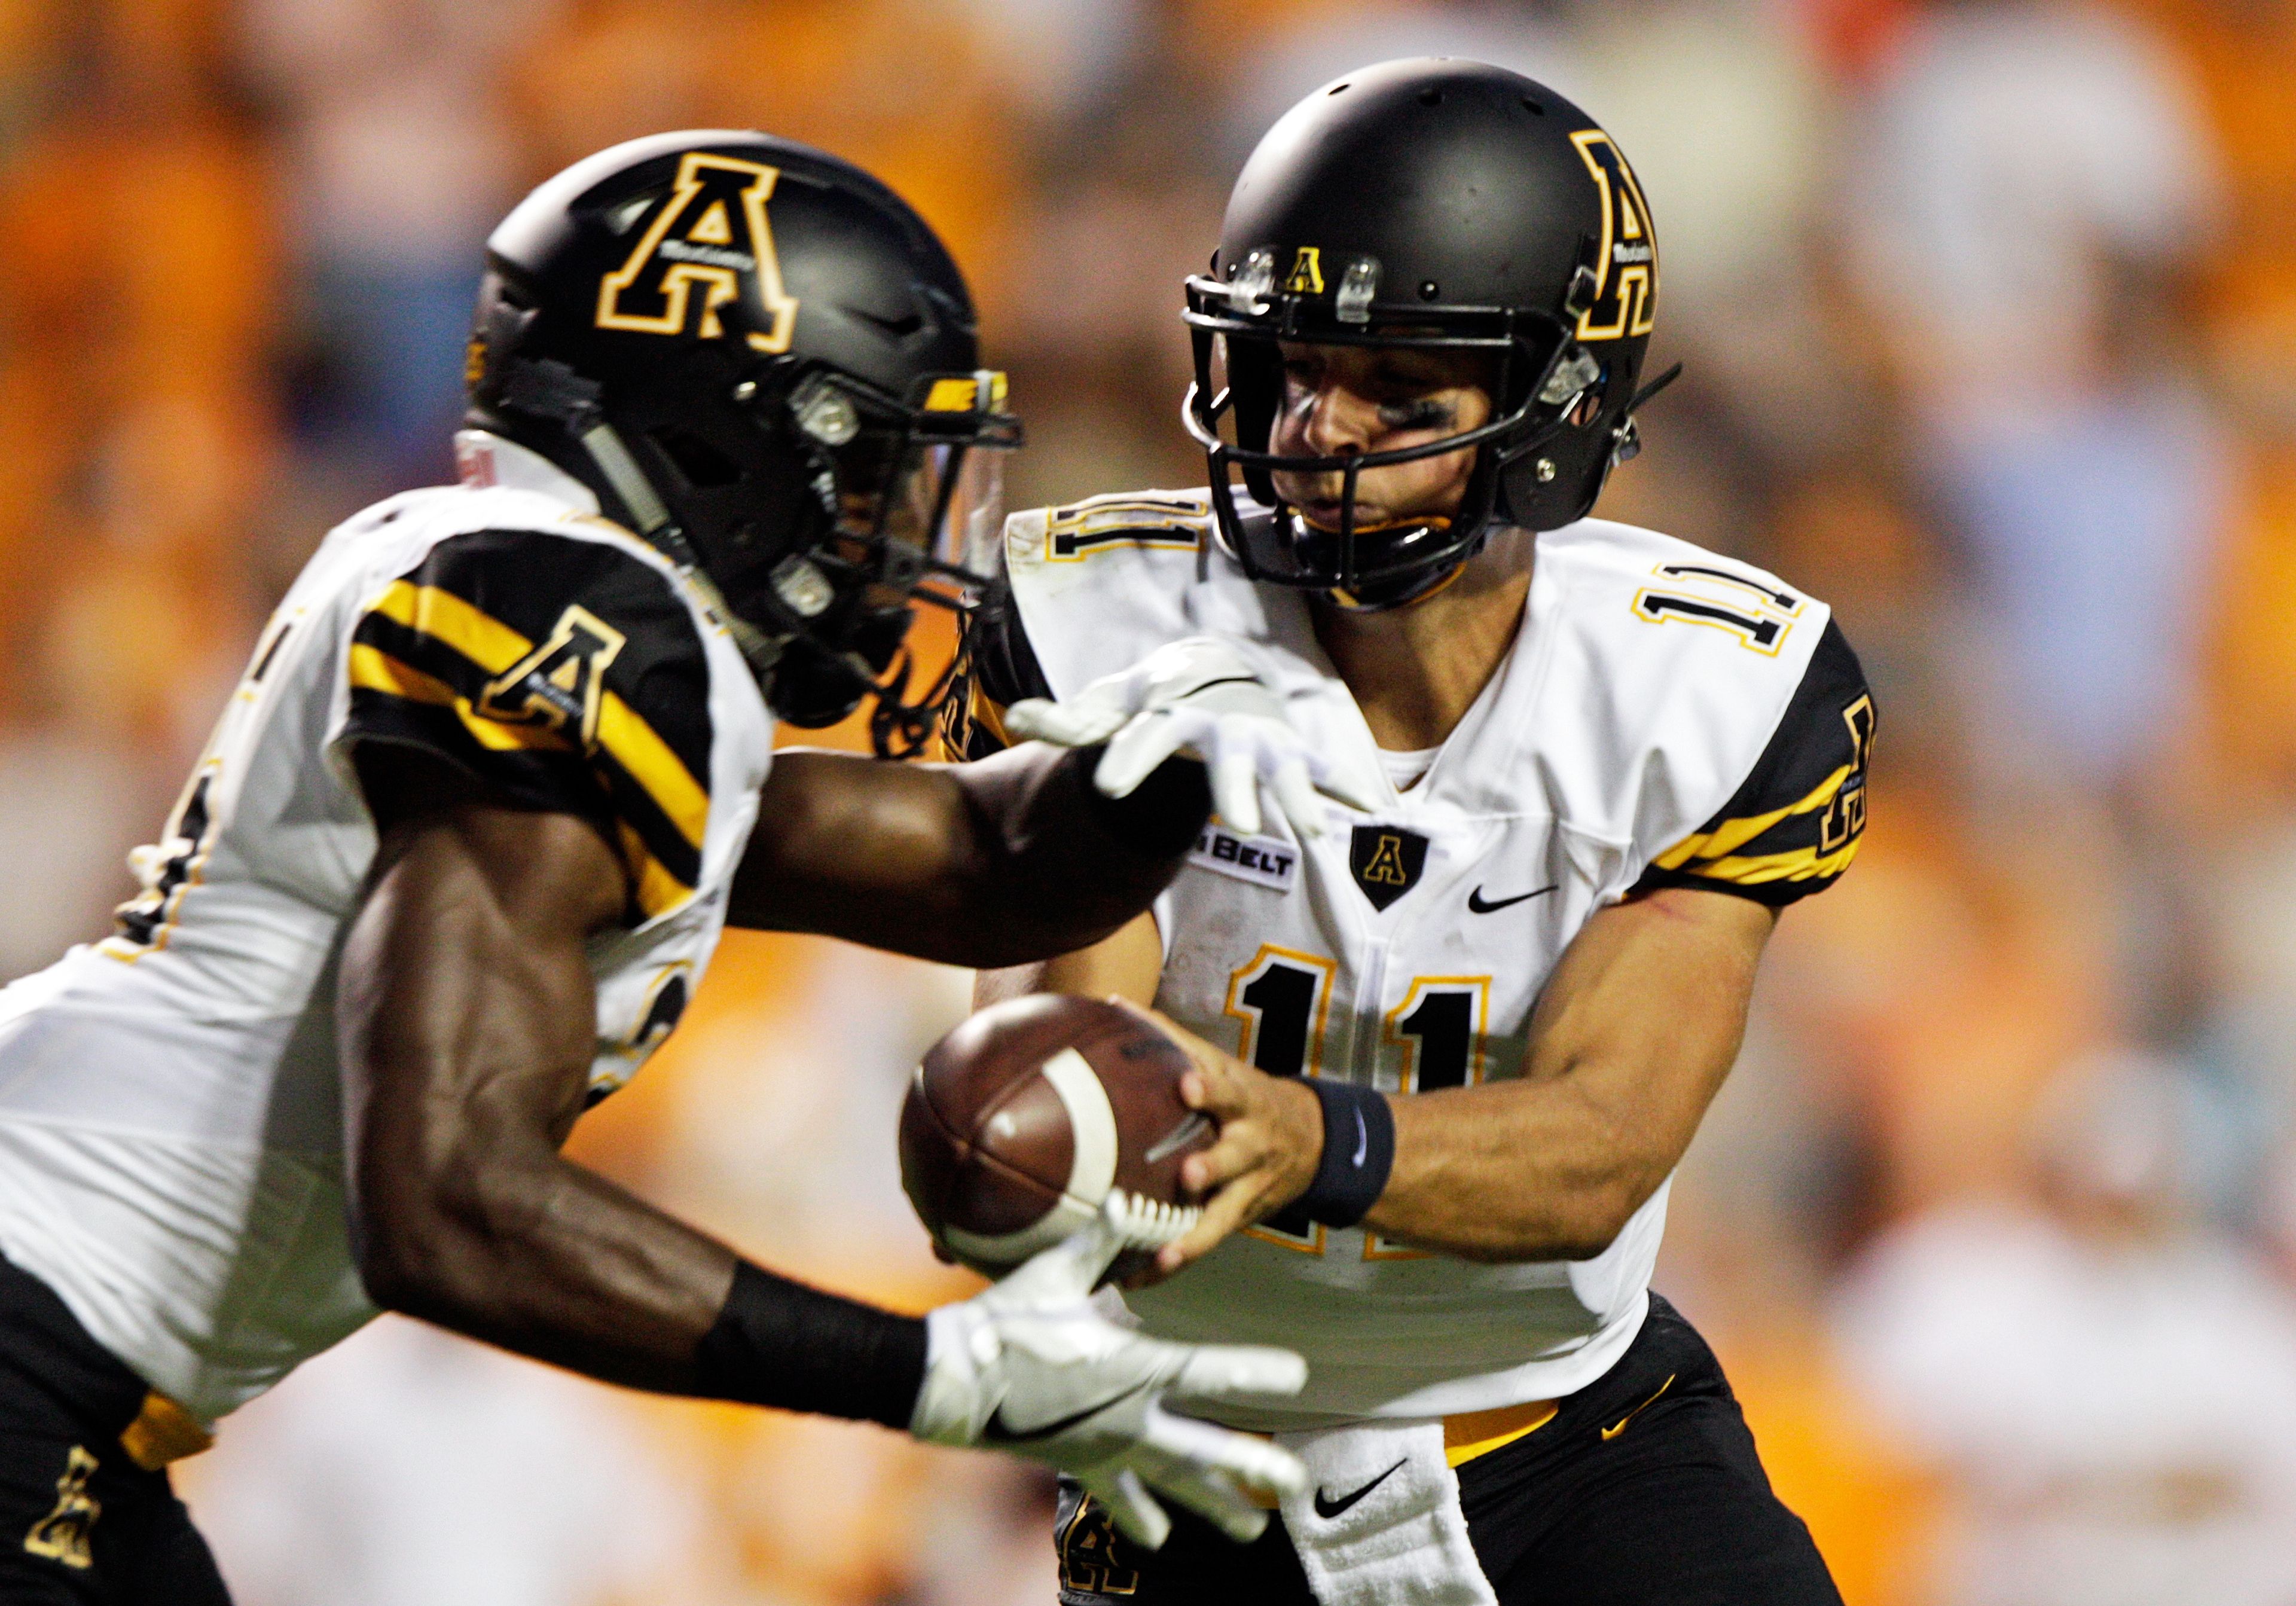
<point x="1283" y="1001"/>
<point x="1438" y="1031"/>
<point x="1283" y="998"/>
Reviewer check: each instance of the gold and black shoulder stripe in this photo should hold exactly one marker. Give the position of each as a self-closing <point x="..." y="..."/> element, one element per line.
<point x="1122" y="520"/>
<point x="1795" y="824"/>
<point x="565" y="673"/>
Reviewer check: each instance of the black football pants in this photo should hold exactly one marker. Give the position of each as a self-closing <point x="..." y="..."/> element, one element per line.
<point x="1644" y="1490"/>
<point x="80" y="1524"/>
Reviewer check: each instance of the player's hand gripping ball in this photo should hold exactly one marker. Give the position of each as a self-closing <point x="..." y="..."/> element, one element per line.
<point x="1024" y="1119"/>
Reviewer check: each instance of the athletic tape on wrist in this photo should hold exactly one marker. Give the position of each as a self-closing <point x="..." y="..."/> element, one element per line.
<point x="1358" y="1153"/>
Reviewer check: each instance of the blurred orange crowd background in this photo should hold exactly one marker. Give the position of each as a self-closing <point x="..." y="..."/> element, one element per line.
<point x="1990" y="315"/>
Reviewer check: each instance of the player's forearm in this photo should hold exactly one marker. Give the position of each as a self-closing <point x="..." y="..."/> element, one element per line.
<point x="551" y="1261"/>
<point x="1517" y="1172"/>
<point x="1632" y="1038"/>
<point x="1009" y="861"/>
<point x="554" y="1262"/>
<point x="466" y="1039"/>
<point x="512" y="1244"/>
<point x="1064" y="867"/>
<point x="465" y="1014"/>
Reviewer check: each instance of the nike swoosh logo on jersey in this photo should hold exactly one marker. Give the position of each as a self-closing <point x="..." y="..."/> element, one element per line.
<point x="1619" y="1426"/>
<point x="1328" y="1508"/>
<point x="1476" y="905"/>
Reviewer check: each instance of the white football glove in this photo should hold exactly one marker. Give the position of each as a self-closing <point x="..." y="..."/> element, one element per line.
<point x="1202" y="696"/>
<point x="1030" y="1366"/>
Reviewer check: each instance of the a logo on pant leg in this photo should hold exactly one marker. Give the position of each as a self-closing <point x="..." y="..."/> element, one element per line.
<point x="1387" y="861"/>
<point x="62" y="1536"/>
<point x="1089" y="1562"/>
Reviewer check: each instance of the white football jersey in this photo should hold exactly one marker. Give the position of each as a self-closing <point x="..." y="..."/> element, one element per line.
<point x="1664" y="717"/>
<point x="170" y="1112"/>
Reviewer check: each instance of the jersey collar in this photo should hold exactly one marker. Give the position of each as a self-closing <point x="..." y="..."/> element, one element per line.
<point x="483" y="459"/>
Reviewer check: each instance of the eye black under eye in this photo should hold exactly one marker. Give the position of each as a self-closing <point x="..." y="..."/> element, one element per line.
<point x="1425" y="412"/>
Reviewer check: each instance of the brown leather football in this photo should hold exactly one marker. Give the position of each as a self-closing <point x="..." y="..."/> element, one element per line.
<point x="1023" y="1119"/>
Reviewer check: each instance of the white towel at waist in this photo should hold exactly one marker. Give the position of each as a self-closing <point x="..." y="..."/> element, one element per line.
<point x="1395" y="1534"/>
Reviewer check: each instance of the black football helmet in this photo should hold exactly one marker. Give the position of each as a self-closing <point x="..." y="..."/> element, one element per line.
<point x="1435" y="204"/>
<point x="764" y="362"/>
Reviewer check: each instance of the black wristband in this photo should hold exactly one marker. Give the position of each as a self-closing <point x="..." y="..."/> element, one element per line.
<point x="1161" y="816"/>
<point x="778" y="1342"/>
<point x="1358" y="1153"/>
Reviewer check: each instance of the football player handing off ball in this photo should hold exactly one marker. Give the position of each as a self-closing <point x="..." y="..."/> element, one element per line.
<point x="1456" y="1043"/>
<point x="499" y="771"/>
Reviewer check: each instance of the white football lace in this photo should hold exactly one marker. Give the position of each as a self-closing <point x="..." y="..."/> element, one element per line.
<point x="1150" y="1223"/>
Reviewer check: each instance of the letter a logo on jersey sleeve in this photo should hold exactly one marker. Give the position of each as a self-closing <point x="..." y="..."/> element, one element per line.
<point x="561" y="683"/>
<point x="1387" y="861"/>
<point x="711" y="235"/>
<point x="1626" y="269"/>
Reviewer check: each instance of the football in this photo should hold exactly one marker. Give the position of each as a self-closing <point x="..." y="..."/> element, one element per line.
<point x="1021" y="1121"/>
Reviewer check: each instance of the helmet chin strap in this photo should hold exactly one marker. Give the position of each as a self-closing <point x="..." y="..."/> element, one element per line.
<point x="1381" y="596"/>
<point x="604" y="444"/>
<point x="1422" y="587"/>
<point x="607" y="449"/>
<point x="898" y="729"/>
<point x="549" y="388"/>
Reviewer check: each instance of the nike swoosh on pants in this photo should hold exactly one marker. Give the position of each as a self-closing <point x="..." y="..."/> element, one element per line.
<point x="1619" y="1426"/>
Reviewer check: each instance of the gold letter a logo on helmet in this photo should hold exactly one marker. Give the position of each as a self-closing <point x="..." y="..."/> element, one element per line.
<point x="1626" y="275"/>
<point x="710" y="234"/>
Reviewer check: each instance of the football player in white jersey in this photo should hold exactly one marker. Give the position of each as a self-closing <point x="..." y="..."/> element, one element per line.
<point x="1455" y="1048"/>
<point x="498" y="774"/>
